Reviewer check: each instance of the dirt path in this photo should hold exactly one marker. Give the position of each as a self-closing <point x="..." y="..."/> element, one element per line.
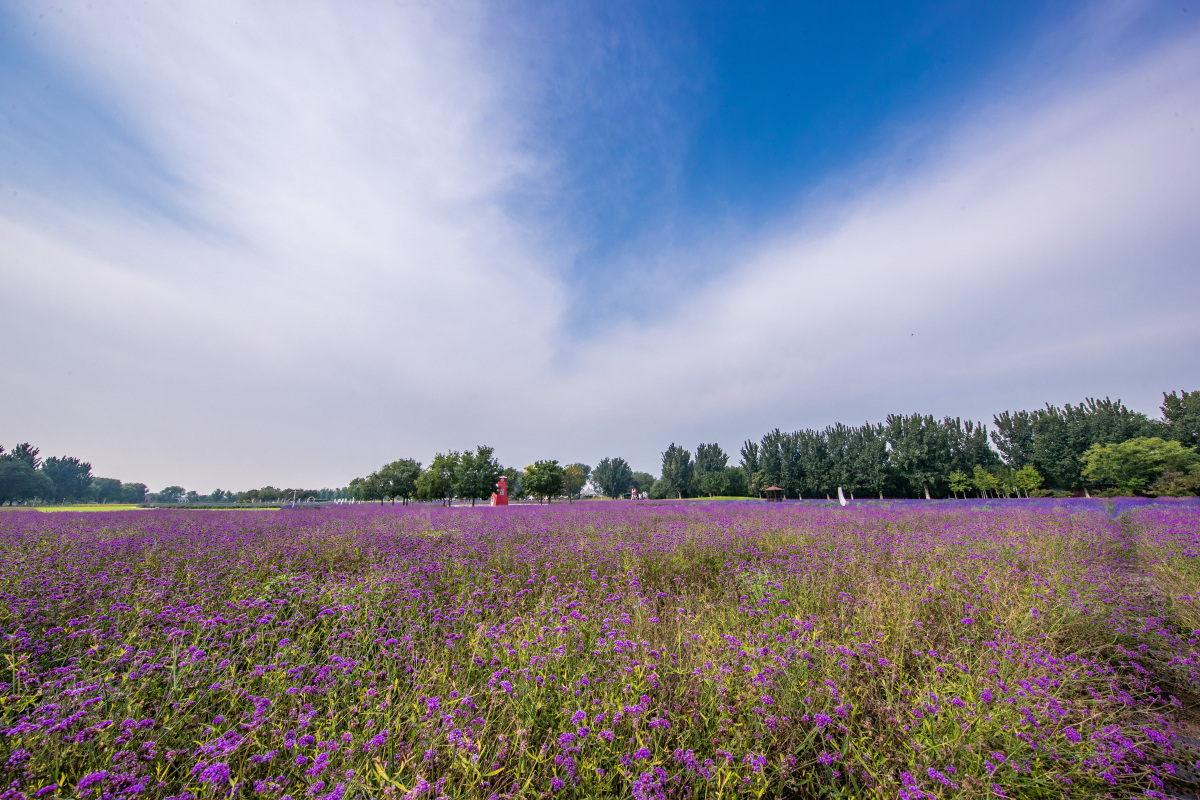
<point x="1149" y="615"/>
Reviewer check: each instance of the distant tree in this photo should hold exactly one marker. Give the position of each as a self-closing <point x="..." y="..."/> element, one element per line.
<point x="69" y="476"/>
<point x="192" y="497"/>
<point x="969" y="444"/>
<point x="373" y="487"/>
<point x="136" y="493"/>
<point x="1027" y="479"/>
<point x="105" y="490"/>
<point x="735" y="482"/>
<point x="171" y="494"/>
<point x="677" y="471"/>
<point x="1182" y="414"/>
<point x="984" y="481"/>
<point x="811" y="470"/>
<point x="516" y="489"/>
<point x="399" y="479"/>
<point x="921" y="451"/>
<point x="20" y="479"/>
<point x="840" y="458"/>
<point x="437" y="482"/>
<point x="1054" y="439"/>
<point x="959" y="482"/>
<point x="27" y="454"/>
<point x="869" y="458"/>
<point x="355" y="490"/>
<point x="613" y="477"/>
<point x="711" y="461"/>
<point x="269" y="494"/>
<point x="477" y="474"/>
<point x="643" y="482"/>
<point x="750" y="466"/>
<point x="543" y="479"/>
<point x="575" y="477"/>
<point x="1135" y="464"/>
<point x="1013" y="437"/>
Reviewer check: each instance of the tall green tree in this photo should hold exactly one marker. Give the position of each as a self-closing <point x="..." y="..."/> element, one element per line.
<point x="677" y="471"/>
<point x="643" y="482"/>
<point x="984" y="481"/>
<point x="969" y="444"/>
<point x="399" y="479"/>
<point x="20" y="479"/>
<point x="516" y="487"/>
<point x="959" y="482"/>
<point x="736" y="484"/>
<point x="839" y="458"/>
<point x="711" y="461"/>
<point x="1182" y="415"/>
<point x="105" y="490"/>
<point x="868" y="452"/>
<point x="477" y="474"/>
<point x="1054" y="439"/>
<point x="575" y="477"/>
<point x="1135" y="464"/>
<point x="543" y="479"/>
<point x="613" y="477"/>
<point x="437" y="482"/>
<point x="920" y="451"/>
<point x="171" y="494"/>
<point x="69" y="476"/>
<point x="751" y="466"/>
<point x="1027" y="479"/>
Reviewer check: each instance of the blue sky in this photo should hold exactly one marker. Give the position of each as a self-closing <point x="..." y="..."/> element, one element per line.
<point x="322" y="236"/>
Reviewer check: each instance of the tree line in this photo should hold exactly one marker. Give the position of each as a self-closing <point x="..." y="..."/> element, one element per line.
<point x="1097" y="445"/>
<point x="26" y="477"/>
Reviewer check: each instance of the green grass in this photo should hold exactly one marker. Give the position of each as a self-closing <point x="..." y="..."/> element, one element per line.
<point x="88" y="507"/>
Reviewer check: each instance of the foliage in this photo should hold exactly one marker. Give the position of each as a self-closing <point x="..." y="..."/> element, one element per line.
<point x="677" y="471"/>
<point x="438" y="482"/>
<point x="920" y="450"/>
<point x="1182" y="415"/>
<point x="643" y="481"/>
<point x="612" y="477"/>
<point x="69" y="476"/>
<point x="1053" y="440"/>
<point x="710" y="470"/>
<point x="959" y="482"/>
<point x="477" y="474"/>
<point x="171" y="494"/>
<point x="1135" y="464"/>
<point x="575" y="477"/>
<point x="399" y="479"/>
<point x="516" y="488"/>
<point x="1027" y="478"/>
<point x="543" y="479"/>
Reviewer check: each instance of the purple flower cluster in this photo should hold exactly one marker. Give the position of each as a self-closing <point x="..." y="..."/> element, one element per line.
<point x="646" y="650"/>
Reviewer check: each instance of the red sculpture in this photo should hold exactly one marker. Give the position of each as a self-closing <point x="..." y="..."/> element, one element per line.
<point x="500" y="498"/>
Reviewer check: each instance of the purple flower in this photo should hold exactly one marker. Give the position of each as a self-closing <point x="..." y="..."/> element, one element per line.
<point x="88" y="780"/>
<point x="216" y="774"/>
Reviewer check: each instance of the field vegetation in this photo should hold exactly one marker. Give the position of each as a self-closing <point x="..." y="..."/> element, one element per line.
<point x="644" y="650"/>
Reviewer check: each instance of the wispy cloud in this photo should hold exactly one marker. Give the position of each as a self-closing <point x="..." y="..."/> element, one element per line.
<point x="349" y="262"/>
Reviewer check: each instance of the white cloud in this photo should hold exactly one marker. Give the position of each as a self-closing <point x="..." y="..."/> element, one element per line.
<point x="348" y="284"/>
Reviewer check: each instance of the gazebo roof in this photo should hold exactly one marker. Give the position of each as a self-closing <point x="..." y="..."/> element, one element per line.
<point x="773" y="489"/>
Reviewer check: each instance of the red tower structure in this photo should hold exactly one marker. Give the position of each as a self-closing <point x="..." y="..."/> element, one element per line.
<point x="500" y="498"/>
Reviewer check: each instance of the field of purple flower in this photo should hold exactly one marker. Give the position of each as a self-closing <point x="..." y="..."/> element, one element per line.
<point x="605" y="649"/>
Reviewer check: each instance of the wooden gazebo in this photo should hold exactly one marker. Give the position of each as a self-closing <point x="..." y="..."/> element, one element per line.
<point x="774" y="494"/>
